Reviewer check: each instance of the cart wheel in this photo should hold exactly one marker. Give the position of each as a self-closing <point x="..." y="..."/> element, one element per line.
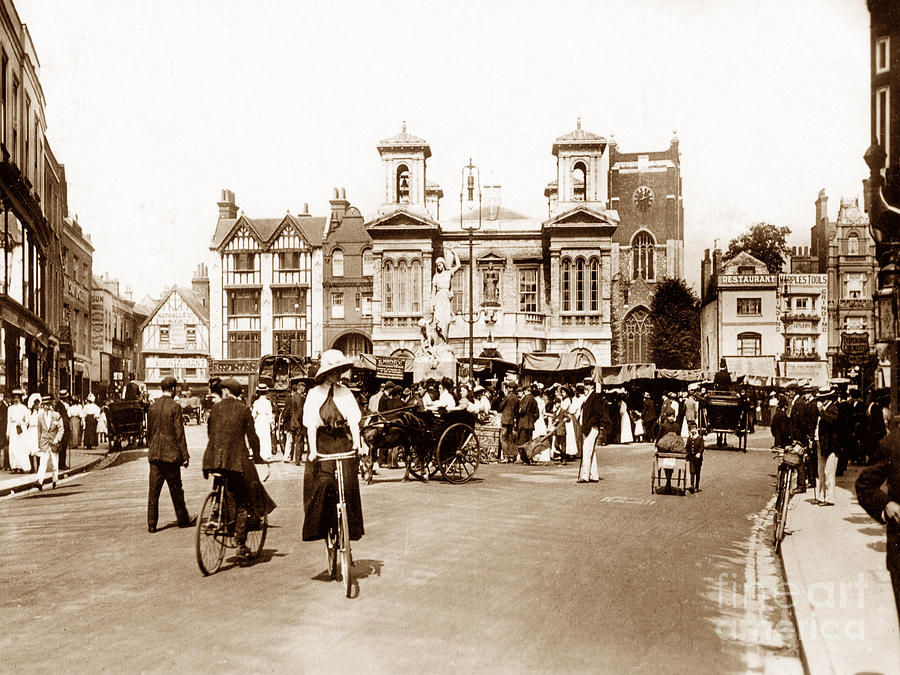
<point x="209" y="543"/>
<point x="458" y="453"/>
<point x="417" y="469"/>
<point x="256" y="538"/>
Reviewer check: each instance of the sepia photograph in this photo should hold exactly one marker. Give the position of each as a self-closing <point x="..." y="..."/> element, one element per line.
<point x="475" y="337"/>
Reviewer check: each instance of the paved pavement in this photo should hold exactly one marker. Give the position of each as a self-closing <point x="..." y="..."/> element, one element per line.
<point x="841" y="590"/>
<point x="79" y="459"/>
<point x="520" y="570"/>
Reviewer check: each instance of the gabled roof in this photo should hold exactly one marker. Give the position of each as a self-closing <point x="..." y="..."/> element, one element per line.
<point x="744" y="258"/>
<point x="191" y="299"/>
<point x="401" y="214"/>
<point x="266" y="229"/>
<point x="583" y="215"/>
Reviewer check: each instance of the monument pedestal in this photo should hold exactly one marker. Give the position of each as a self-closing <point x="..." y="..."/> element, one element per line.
<point x="437" y="366"/>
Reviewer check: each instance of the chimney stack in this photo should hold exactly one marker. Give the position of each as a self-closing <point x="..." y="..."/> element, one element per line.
<point x="304" y="211"/>
<point x="717" y="261"/>
<point x="200" y="283"/>
<point x="821" y="207"/>
<point x="705" y="274"/>
<point x="339" y="205"/>
<point x="227" y="208"/>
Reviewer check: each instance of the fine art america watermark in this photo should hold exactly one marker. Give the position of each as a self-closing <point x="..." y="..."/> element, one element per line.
<point x="757" y="603"/>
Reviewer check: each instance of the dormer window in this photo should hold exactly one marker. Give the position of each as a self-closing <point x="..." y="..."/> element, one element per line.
<point x="403" y="184"/>
<point x="579" y="181"/>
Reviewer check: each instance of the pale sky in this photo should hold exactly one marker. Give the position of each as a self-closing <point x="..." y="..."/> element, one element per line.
<point x="154" y="107"/>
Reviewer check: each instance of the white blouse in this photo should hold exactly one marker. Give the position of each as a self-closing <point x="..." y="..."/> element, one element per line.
<point x="345" y="402"/>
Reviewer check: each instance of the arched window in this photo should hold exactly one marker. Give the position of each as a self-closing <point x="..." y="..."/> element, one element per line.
<point x="594" y="287"/>
<point x="337" y="263"/>
<point x="579" y="181"/>
<point x="636" y="332"/>
<point x="403" y="287"/>
<point x="853" y="244"/>
<point x="579" y="285"/>
<point x="415" y="291"/>
<point x="642" y="249"/>
<point x="368" y="263"/>
<point x="566" y="284"/>
<point x="749" y="344"/>
<point x="403" y="184"/>
<point x="388" y="287"/>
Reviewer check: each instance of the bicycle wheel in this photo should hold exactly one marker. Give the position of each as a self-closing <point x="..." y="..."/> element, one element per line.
<point x="209" y="541"/>
<point x="344" y="541"/>
<point x="781" y="507"/>
<point x="256" y="538"/>
<point x="331" y="548"/>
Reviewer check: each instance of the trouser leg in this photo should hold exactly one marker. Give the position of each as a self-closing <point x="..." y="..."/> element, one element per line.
<point x="176" y="491"/>
<point x="587" y="469"/>
<point x="241" y="498"/>
<point x="54" y="462"/>
<point x="156" y="482"/>
<point x="42" y="466"/>
<point x="829" y="473"/>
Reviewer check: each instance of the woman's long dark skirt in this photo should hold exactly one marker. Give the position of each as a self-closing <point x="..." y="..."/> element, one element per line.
<point x="320" y="498"/>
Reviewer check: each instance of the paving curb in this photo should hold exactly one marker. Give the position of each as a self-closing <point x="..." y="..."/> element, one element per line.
<point x="101" y="462"/>
<point x="815" y="662"/>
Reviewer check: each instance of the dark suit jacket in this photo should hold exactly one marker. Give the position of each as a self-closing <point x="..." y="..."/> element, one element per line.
<point x="509" y="409"/>
<point x="229" y="424"/>
<point x="592" y="412"/>
<point x="873" y="499"/>
<point x="528" y="411"/>
<point x="829" y="428"/>
<point x="166" y="431"/>
<point x="60" y="407"/>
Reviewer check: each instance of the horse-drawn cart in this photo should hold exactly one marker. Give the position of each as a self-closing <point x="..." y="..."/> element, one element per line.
<point x="429" y="442"/>
<point x="126" y="423"/>
<point x="725" y="412"/>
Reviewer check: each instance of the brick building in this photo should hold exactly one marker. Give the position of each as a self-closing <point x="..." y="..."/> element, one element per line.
<point x="77" y="264"/>
<point x="347" y="279"/>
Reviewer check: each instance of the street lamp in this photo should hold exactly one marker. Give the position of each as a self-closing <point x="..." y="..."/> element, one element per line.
<point x="470" y="182"/>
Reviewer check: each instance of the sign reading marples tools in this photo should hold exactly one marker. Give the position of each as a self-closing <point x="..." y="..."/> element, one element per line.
<point x="175" y="362"/>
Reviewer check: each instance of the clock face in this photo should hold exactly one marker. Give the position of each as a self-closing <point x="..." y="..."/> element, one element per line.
<point x="643" y="198"/>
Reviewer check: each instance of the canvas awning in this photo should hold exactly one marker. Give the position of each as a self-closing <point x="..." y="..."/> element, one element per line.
<point x="763" y="366"/>
<point x="612" y="375"/>
<point x="548" y="361"/>
<point x="695" y="375"/>
<point x="368" y="362"/>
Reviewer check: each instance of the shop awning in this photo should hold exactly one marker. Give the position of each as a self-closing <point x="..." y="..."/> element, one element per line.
<point x="549" y="362"/>
<point x="695" y="375"/>
<point x="369" y="362"/>
<point x="762" y="366"/>
<point x="613" y="375"/>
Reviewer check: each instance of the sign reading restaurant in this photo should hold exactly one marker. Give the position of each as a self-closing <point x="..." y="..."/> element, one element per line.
<point x="747" y="280"/>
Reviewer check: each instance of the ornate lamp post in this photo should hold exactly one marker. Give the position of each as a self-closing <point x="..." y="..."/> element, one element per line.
<point x="470" y="183"/>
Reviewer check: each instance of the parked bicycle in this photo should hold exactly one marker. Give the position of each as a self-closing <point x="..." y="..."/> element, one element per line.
<point x="789" y="461"/>
<point x="215" y="528"/>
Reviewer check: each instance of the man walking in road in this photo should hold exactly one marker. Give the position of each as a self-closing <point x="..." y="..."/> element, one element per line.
<point x="167" y="454"/>
<point x="509" y="411"/>
<point x="50" y="433"/>
<point x="591" y="415"/>
<point x="528" y="413"/>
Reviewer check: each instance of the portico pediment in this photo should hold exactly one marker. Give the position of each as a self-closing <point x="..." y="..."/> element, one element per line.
<point x="490" y="258"/>
<point x="582" y="219"/>
<point x="402" y="224"/>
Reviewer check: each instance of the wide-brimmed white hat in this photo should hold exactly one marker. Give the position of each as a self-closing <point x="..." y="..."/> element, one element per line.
<point x="332" y="359"/>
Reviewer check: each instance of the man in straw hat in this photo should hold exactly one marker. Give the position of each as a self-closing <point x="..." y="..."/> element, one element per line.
<point x="827" y="431"/>
<point x="50" y="433"/>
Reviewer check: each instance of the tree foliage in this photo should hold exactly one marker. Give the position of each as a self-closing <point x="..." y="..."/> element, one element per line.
<point x="675" y="312"/>
<point x="764" y="241"/>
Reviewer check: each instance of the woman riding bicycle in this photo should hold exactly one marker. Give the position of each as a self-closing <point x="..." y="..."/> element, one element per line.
<point x="331" y="416"/>
<point x="229" y="423"/>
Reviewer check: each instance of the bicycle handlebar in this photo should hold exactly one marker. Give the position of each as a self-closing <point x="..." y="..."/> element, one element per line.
<point x="340" y="455"/>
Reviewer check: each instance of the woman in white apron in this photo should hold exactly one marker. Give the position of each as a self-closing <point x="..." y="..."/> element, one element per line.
<point x="625" y="434"/>
<point x="262" y="421"/>
<point x="17" y="417"/>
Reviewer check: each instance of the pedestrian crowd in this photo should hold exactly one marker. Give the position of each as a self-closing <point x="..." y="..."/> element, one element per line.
<point x="26" y="449"/>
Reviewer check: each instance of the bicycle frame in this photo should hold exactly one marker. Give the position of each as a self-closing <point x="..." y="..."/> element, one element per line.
<point x="342" y="538"/>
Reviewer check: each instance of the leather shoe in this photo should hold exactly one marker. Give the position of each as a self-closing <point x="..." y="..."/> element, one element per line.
<point x="151" y="529"/>
<point x="40" y="487"/>
<point x="189" y="523"/>
<point x="581" y="481"/>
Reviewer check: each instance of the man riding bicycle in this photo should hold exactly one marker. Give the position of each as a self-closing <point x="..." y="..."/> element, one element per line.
<point x="229" y="424"/>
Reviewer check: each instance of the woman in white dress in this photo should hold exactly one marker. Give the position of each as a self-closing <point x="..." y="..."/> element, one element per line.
<point x="17" y="417"/>
<point x="263" y="417"/>
<point x="625" y="434"/>
<point x="34" y="411"/>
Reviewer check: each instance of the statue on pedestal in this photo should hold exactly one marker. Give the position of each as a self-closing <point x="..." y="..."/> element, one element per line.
<point x="435" y="326"/>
